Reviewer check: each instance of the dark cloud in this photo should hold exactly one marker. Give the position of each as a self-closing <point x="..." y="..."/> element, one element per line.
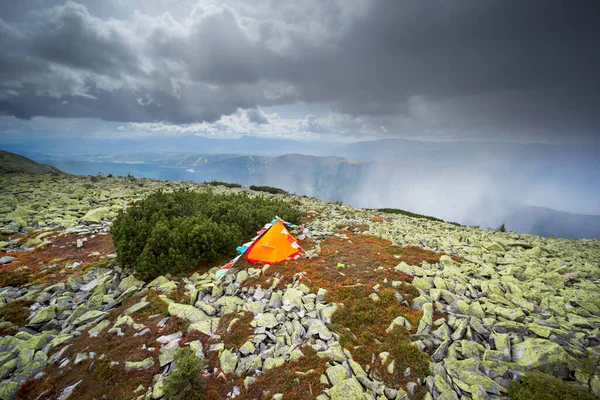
<point x="257" y="116"/>
<point x="457" y="68"/>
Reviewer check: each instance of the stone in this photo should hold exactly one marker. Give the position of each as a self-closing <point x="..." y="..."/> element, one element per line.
<point x="422" y="283"/>
<point x="399" y="321"/>
<point x="142" y="305"/>
<point x="42" y="316"/>
<point x="541" y="354"/>
<point x="271" y="363"/>
<point x="130" y="282"/>
<point x="8" y="389"/>
<point x="426" y="320"/>
<point x="139" y="365"/>
<point x="187" y="312"/>
<point x="229" y="304"/>
<point x="7" y="368"/>
<point x="168" y="352"/>
<point x="350" y="389"/>
<point x="317" y="327"/>
<point x="167" y="287"/>
<point x="374" y="296"/>
<point x="266" y="320"/>
<point x="89" y="317"/>
<point x="169" y="338"/>
<point x="80" y="357"/>
<point x="292" y="298"/>
<point x="336" y="374"/>
<point x="158" y="281"/>
<point x="228" y="361"/>
<point x="247" y="348"/>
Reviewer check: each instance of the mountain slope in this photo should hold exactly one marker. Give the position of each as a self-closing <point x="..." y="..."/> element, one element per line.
<point x="14" y="163"/>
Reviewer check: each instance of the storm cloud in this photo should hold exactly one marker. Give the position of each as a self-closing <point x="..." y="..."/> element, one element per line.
<point x="498" y="69"/>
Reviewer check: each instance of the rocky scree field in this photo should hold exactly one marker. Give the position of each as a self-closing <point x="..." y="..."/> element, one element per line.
<point x="420" y="309"/>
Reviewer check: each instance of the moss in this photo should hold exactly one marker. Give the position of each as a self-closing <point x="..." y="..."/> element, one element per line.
<point x="362" y="327"/>
<point x="9" y="278"/>
<point x="539" y="386"/>
<point x="16" y="312"/>
<point x="238" y="333"/>
<point x="296" y="380"/>
<point x="186" y="382"/>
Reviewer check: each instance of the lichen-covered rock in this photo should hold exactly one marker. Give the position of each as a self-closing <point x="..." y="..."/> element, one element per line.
<point x="139" y="365"/>
<point x="42" y="316"/>
<point x="349" y="389"/>
<point x="228" y="361"/>
<point x="8" y="389"/>
<point x="542" y="355"/>
<point x="187" y="312"/>
<point x="336" y="374"/>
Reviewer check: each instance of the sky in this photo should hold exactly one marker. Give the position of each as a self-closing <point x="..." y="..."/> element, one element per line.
<point x="334" y="70"/>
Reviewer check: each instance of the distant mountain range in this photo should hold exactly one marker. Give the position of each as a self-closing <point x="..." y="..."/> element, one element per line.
<point x="487" y="184"/>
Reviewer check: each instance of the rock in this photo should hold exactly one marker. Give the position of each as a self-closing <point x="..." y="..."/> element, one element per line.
<point x="130" y="282"/>
<point x="229" y="304"/>
<point x="292" y="298"/>
<point x="95" y="331"/>
<point x="142" y="305"/>
<point x="336" y="374"/>
<point x="228" y="361"/>
<point x="267" y="320"/>
<point x="350" y="389"/>
<point x="374" y="296"/>
<point x="399" y="321"/>
<point x="426" y="320"/>
<point x="7" y="368"/>
<point x="169" y="338"/>
<point x="167" y="287"/>
<point x="7" y="259"/>
<point x="327" y="313"/>
<point x="167" y="352"/>
<point x="241" y="276"/>
<point x="157" y="390"/>
<point x="8" y="389"/>
<point x="595" y="385"/>
<point x="80" y="357"/>
<point x="317" y="327"/>
<point x="43" y="316"/>
<point x="247" y="348"/>
<point x="89" y="317"/>
<point x="541" y="354"/>
<point x="271" y="363"/>
<point x="139" y="365"/>
<point x="422" y="283"/>
<point x="187" y="312"/>
<point x="156" y="282"/>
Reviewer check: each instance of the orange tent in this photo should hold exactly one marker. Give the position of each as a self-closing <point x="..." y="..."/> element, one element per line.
<point x="276" y="244"/>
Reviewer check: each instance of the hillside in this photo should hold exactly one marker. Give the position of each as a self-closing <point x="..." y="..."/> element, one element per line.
<point x="420" y="309"/>
<point x="14" y="163"/>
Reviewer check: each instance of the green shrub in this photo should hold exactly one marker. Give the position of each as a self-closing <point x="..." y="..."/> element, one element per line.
<point x="414" y="215"/>
<point x="540" y="386"/>
<point x="501" y="228"/>
<point x="186" y="382"/>
<point x="268" y="189"/>
<point x="226" y="184"/>
<point x="174" y="232"/>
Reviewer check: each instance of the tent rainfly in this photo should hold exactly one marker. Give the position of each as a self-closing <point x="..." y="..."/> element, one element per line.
<point x="274" y="243"/>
